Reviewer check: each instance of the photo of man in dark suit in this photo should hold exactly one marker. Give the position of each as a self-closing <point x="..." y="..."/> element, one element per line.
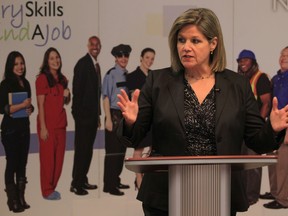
<point x="86" y="111"/>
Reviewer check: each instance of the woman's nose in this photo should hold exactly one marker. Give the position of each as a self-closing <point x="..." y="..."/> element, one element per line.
<point x="186" y="47"/>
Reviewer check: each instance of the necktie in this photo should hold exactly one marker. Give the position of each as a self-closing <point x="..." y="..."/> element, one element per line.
<point x="98" y="72"/>
<point x="97" y="67"/>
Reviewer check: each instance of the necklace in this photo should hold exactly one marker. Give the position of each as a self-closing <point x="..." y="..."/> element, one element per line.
<point x="199" y="78"/>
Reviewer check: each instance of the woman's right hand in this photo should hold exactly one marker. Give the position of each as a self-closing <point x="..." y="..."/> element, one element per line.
<point x="26" y="103"/>
<point x="44" y="134"/>
<point x="129" y="107"/>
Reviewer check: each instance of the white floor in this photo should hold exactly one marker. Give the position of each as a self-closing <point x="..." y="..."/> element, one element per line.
<point x="97" y="202"/>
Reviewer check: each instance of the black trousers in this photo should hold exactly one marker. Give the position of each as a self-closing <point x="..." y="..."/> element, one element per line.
<point x="150" y="211"/>
<point x="85" y="134"/>
<point x="114" y="154"/>
<point x="16" y="145"/>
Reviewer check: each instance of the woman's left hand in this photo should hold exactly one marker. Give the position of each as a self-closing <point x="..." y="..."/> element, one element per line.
<point x="29" y="110"/>
<point x="66" y="92"/>
<point x="129" y="107"/>
<point x="278" y="118"/>
<point x="66" y="95"/>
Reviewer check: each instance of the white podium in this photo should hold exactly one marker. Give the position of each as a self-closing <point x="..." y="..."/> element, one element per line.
<point x="199" y="185"/>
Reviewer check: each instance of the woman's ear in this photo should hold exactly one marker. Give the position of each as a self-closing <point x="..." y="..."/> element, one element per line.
<point x="213" y="43"/>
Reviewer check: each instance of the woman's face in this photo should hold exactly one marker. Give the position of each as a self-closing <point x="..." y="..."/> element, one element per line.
<point x="193" y="48"/>
<point x="54" y="61"/>
<point x="147" y="60"/>
<point x="122" y="60"/>
<point x="245" y="64"/>
<point x="19" y="66"/>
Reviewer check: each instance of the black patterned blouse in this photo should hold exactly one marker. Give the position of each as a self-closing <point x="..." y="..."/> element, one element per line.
<point x="199" y="120"/>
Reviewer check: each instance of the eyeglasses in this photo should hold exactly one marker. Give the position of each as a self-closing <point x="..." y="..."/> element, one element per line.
<point x="126" y="55"/>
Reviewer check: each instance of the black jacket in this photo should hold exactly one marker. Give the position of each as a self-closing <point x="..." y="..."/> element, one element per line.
<point x="8" y="123"/>
<point x="86" y="90"/>
<point x="161" y="105"/>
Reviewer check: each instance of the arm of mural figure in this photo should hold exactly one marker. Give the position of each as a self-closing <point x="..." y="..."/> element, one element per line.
<point x="25" y="104"/>
<point x="66" y="95"/>
<point x="108" y="119"/>
<point x="30" y="109"/>
<point x="266" y="104"/>
<point x="43" y="130"/>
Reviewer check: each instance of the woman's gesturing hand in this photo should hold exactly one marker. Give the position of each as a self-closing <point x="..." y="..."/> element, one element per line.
<point x="129" y="107"/>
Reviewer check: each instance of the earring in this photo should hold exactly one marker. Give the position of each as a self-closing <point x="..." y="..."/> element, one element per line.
<point x="211" y="52"/>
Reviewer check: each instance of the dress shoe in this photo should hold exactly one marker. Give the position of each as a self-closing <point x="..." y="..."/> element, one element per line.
<point x="123" y="186"/>
<point x="114" y="191"/>
<point x="267" y="195"/>
<point x="78" y="191"/>
<point x="274" y="205"/>
<point x="88" y="186"/>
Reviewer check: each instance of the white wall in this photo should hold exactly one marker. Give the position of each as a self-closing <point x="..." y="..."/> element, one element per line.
<point x="142" y="23"/>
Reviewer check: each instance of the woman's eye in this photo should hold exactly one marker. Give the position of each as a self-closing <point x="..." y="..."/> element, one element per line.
<point x="195" y="41"/>
<point x="181" y="40"/>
